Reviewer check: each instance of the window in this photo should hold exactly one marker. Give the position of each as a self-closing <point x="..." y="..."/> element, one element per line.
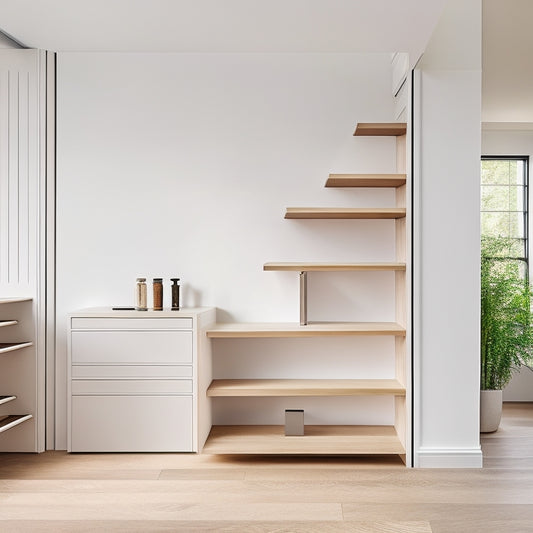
<point x="504" y="201"/>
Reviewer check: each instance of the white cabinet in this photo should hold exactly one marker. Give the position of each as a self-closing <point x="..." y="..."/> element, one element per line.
<point x="134" y="381"/>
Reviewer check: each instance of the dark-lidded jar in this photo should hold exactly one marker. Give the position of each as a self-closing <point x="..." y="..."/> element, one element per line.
<point x="158" y="294"/>
<point x="175" y="294"/>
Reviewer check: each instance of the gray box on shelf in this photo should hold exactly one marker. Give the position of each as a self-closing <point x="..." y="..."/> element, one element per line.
<point x="294" y="422"/>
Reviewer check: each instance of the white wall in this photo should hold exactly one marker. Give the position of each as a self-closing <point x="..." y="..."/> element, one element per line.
<point x="182" y="165"/>
<point x="446" y="269"/>
<point x="507" y="141"/>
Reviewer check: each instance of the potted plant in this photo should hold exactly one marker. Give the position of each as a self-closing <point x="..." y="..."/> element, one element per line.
<point x="506" y="324"/>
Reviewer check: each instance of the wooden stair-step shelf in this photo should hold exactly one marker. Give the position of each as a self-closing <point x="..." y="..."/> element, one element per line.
<point x="317" y="440"/>
<point x="345" y="213"/>
<point x="12" y="346"/>
<point x="304" y="387"/>
<point x="10" y="421"/>
<point x="366" y="180"/>
<point x="6" y="399"/>
<point x="332" y="267"/>
<point x="379" y="129"/>
<point x="242" y="330"/>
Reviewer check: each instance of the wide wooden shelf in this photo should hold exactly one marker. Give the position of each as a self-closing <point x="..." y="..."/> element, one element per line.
<point x="304" y="387"/>
<point x="12" y="346"/>
<point x="14" y="300"/>
<point x="381" y="128"/>
<point x="318" y="440"/>
<point x="6" y="399"/>
<point x="8" y="323"/>
<point x="242" y="330"/>
<point x="332" y="267"/>
<point x="10" y="421"/>
<point x="366" y="180"/>
<point x="344" y="213"/>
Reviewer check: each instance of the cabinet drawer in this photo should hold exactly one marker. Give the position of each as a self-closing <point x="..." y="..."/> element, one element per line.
<point x="149" y="347"/>
<point x="131" y="386"/>
<point x="131" y="323"/>
<point x="131" y="424"/>
<point x="131" y="371"/>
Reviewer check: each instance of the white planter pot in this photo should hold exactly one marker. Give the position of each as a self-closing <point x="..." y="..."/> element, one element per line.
<point x="490" y="410"/>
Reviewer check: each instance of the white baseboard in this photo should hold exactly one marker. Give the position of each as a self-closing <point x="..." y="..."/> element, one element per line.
<point x="427" y="457"/>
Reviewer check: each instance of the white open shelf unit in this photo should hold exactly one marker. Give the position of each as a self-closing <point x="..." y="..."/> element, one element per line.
<point x="17" y="371"/>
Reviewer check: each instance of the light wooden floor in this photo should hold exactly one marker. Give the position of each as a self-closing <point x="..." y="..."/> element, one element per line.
<point x="59" y="492"/>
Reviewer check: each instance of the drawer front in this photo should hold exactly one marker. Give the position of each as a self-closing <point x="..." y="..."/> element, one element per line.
<point x="131" y="371"/>
<point x="131" y="323"/>
<point x="131" y="386"/>
<point x="145" y="347"/>
<point x="131" y="424"/>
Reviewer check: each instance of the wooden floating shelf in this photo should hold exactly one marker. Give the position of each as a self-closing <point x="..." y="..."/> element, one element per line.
<point x="6" y="399"/>
<point x="10" y="421"/>
<point x="239" y="330"/>
<point x="8" y="323"/>
<point x="304" y="387"/>
<point x="332" y="267"/>
<point x="12" y="346"/>
<point x="366" y="180"/>
<point x="379" y="129"/>
<point x="344" y="213"/>
<point x="14" y="300"/>
<point x="318" y="440"/>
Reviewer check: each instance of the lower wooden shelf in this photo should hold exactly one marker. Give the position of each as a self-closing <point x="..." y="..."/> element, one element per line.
<point x="12" y="346"/>
<point x="304" y="387"/>
<point x="10" y="421"/>
<point x="318" y="440"/>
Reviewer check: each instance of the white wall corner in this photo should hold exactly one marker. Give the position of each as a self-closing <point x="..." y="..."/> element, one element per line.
<point x="428" y="457"/>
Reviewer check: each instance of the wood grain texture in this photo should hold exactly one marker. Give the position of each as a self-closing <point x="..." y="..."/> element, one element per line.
<point x="314" y="329"/>
<point x="317" y="440"/>
<point x="380" y="128"/>
<point x="60" y="492"/>
<point x="344" y="213"/>
<point x="304" y="387"/>
<point x="332" y="267"/>
<point x="365" y="180"/>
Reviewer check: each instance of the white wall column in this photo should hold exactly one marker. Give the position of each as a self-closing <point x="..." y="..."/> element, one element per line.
<point x="447" y="153"/>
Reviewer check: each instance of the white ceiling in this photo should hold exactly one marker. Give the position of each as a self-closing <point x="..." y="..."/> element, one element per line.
<point x="507" y="61"/>
<point x="222" y="25"/>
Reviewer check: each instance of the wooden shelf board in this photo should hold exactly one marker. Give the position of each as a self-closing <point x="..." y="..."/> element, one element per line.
<point x="381" y="128"/>
<point x="8" y="323"/>
<point x="366" y="180"/>
<point x="14" y="300"/>
<point x="240" y="330"/>
<point x="304" y="387"/>
<point x="332" y="267"/>
<point x="10" y="421"/>
<point x="344" y="213"/>
<point x="12" y="346"/>
<point x="318" y="440"/>
<point x="6" y="399"/>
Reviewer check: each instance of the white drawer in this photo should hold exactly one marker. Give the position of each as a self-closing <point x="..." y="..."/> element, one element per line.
<point x="131" y="323"/>
<point x="131" y="386"/>
<point x="149" y="347"/>
<point x="131" y="424"/>
<point x="131" y="371"/>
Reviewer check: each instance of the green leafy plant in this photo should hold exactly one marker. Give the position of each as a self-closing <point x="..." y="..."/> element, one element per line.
<point x="506" y="317"/>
